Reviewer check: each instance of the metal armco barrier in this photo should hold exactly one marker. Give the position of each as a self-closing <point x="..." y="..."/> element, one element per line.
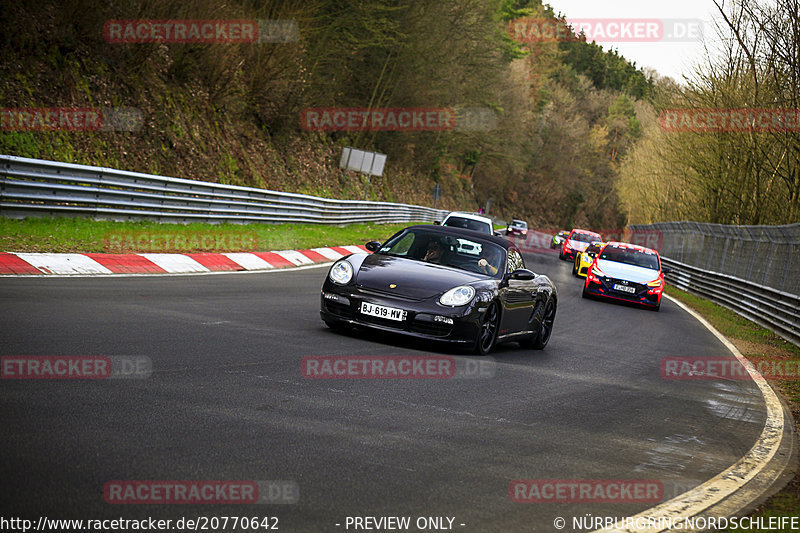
<point x="34" y="187"/>
<point x="753" y="270"/>
<point x="775" y="310"/>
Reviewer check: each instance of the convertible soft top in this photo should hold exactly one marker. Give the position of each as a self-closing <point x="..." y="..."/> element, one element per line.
<point x="465" y="233"/>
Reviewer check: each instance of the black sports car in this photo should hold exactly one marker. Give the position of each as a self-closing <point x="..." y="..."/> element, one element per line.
<point x="442" y="283"/>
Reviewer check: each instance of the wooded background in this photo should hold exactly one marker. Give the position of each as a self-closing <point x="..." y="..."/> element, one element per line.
<point x="575" y="138"/>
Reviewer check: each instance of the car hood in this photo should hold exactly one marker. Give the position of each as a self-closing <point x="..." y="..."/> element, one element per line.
<point x="636" y="274"/>
<point x="413" y="279"/>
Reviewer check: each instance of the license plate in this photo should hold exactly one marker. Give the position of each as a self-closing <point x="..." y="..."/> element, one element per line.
<point x="624" y="288"/>
<point x="382" y="311"/>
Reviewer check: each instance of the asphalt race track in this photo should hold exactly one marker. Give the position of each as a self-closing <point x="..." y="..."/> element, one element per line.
<point x="227" y="401"/>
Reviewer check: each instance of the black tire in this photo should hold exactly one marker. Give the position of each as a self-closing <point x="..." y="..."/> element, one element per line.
<point x="546" y="326"/>
<point x="487" y="332"/>
<point x="584" y="294"/>
<point x="575" y="267"/>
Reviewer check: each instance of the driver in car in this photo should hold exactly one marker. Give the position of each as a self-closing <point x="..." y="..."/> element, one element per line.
<point x="487" y="267"/>
<point x="434" y="252"/>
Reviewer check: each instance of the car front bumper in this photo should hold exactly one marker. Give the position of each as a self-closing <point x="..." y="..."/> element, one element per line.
<point x="424" y="319"/>
<point x="605" y="288"/>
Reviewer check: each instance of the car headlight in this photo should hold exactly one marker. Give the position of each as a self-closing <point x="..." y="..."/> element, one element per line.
<point x="341" y="272"/>
<point x="654" y="283"/>
<point x="597" y="272"/>
<point x="458" y="296"/>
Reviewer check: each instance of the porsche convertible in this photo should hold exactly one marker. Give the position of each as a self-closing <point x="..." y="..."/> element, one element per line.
<point x="445" y="284"/>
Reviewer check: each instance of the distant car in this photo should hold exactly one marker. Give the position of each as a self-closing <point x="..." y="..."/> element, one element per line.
<point x="627" y="272"/>
<point x="558" y="239"/>
<point x="517" y="227"/>
<point x="584" y="259"/>
<point x="442" y="284"/>
<point x="577" y="241"/>
<point x="469" y="221"/>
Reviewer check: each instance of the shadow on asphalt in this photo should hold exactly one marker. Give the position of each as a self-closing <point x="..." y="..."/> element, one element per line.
<point x="502" y="351"/>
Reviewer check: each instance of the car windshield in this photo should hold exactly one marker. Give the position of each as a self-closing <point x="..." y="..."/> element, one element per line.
<point x="473" y="255"/>
<point x="630" y="256"/>
<point x="584" y="237"/>
<point x="467" y="223"/>
<point x="594" y="248"/>
<point x="519" y="224"/>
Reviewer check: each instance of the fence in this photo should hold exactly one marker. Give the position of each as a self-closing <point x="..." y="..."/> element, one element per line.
<point x="753" y="270"/>
<point x="33" y="187"/>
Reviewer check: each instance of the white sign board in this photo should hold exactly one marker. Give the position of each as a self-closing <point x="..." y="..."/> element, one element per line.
<point x="367" y="162"/>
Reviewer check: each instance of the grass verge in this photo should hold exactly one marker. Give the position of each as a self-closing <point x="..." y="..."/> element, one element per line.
<point x="80" y="235"/>
<point x="758" y="344"/>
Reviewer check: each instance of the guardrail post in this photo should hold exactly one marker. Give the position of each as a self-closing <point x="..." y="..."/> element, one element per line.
<point x="786" y="265"/>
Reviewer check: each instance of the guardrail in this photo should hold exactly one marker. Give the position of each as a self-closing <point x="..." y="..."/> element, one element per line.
<point x="775" y="310"/>
<point x="34" y="187"/>
<point x="766" y="255"/>
<point x="710" y="259"/>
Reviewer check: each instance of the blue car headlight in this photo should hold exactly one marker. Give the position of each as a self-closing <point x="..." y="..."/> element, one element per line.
<point x="341" y="272"/>
<point x="456" y="296"/>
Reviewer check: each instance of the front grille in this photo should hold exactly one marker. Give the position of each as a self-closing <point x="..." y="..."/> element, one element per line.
<point x="394" y="324"/>
<point x="389" y="293"/>
<point x="434" y="329"/>
<point x="640" y="290"/>
<point x="335" y="308"/>
<point x="423" y="327"/>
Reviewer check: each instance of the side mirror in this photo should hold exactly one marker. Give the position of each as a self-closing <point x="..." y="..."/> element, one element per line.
<point x="437" y="222"/>
<point x="373" y="246"/>
<point x="498" y="234"/>
<point x="521" y="274"/>
<point x="666" y="270"/>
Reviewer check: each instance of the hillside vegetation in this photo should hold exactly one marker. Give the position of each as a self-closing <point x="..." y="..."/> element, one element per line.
<point x="729" y="175"/>
<point x="563" y="115"/>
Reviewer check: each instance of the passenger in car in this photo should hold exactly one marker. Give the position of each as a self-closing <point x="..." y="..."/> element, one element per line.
<point x="489" y="264"/>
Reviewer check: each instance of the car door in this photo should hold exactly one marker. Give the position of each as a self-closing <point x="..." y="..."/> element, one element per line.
<point x="518" y="297"/>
